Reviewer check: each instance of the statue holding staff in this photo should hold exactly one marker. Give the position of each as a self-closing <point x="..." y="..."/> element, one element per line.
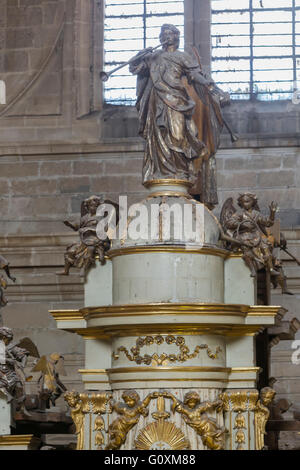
<point x="180" y="115"/>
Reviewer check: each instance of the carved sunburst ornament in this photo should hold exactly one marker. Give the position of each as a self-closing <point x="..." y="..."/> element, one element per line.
<point x="161" y="435"/>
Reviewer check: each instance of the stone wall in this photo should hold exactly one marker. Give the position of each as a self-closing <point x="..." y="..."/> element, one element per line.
<point x="60" y="144"/>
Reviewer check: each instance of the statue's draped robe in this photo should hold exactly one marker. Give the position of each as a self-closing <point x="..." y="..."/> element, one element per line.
<point x="178" y="121"/>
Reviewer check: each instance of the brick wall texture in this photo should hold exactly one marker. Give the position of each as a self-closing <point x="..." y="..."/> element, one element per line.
<point x="50" y="160"/>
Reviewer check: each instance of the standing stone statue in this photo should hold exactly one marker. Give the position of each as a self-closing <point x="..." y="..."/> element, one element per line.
<point x="4" y="264"/>
<point x="179" y="114"/>
<point x="12" y="365"/>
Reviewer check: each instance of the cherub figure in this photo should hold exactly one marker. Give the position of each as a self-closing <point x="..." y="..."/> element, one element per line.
<point x="194" y="414"/>
<point x="50" y="384"/>
<point x="262" y="414"/>
<point x="248" y="226"/>
<point x="83" y="254"/>
<point x="130" y="413"/>
<point x="12" y="375"/>
<point x="3" y="282"/>
<point x="75" y="403"/>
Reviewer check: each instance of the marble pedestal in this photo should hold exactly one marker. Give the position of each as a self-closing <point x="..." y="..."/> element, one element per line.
<point x="163" y="319"/>
<point x="5" y="416"/>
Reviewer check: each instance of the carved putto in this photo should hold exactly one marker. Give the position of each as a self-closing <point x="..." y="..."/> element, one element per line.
<point x="195" y="415"/>
<point x="262" y="414"/>
<point x="83" y="254"/>
<point x="129" y="414"/>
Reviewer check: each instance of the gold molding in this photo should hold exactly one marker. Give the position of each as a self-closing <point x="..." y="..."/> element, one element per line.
<point x="169" y="193"/>
<point x="106" y="332"/>
<point x="246" y="369"/>
<point x="263" y="310"/>
<point x="121" y="370"/>
<point x="172" y="379"/>
<point x="235" y="255"/>
<point x="16" y="440"/>
<point x="205" y="250"/>
<point x="164" y="308"/>
<point x="188" y="379"/>
<point x="168" y="182"/>
<point x="66" y="315"/>
<point x="92" y="371"/>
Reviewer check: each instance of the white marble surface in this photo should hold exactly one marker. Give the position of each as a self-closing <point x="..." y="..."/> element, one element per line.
<point x="5" y="416"/>
<point x="167" y="277"/>
<point x="98" y="286"/>
<point x="239" y="286"/>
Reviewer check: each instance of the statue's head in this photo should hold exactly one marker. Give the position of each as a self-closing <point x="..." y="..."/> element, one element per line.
<point x="266" y="395"/>
<point x="6" y="334"/>
<point x="170" y="35"/>
<point x="90" y="205"/>
<point x="248" y="201"/>
<point x="191" y="399"/>
<point x="54" y="357"/>
<point x="72" y="398"/>
<point x="130" y="397"/>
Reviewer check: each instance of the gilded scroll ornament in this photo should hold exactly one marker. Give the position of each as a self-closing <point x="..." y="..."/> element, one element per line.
<point x="129" y="414"/>
<point x="240" y="424"/>
<point x="244" y="400"/>
<point x="100" y="405"/>
<point x="240" y="439"/>
<point x="194" y="414"/>
<point x="81" y="404"/>
<point x="161" y="435"/>
<point x="164" y="358"/>
<point x="261" y="415"/>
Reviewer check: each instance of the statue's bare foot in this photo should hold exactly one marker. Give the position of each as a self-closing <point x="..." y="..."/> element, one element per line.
<point x="61" y="273"/>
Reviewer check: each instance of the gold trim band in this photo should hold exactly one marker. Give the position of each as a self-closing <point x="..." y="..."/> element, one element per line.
<point x="167" y="309"/>
<point x="129" y="370"/>
<point x="14" y="440"/>
<point x="169" y="193"/>
<point x="205" y="250"/>
<point x="168" y="182"/>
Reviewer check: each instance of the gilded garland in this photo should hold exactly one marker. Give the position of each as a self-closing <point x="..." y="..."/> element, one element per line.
<point x="164" y="358"/>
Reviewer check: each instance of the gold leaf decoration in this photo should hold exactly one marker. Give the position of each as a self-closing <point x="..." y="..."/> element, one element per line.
<point x="163" y="359"/>
<point x="161" y="435"/>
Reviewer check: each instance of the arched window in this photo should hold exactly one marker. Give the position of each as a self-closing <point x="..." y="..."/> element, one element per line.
<point x="129" y="27"/>
<point x="256" y="47"/>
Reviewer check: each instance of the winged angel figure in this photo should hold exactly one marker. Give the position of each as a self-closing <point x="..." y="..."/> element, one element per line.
<point x="12" y="367"/>
<point x="83" y="253"/>
<point x="50" y="384"/>
<point x="249" y="227"/>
